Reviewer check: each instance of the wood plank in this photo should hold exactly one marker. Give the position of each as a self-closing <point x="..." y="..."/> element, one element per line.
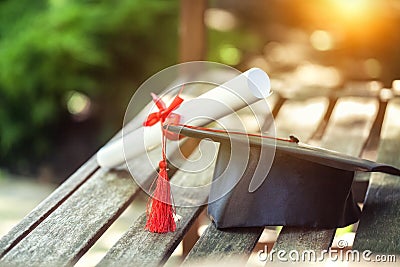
<point x="70" y="230"/>
<point x="223" y="245"/>
<point x="139" y="247"/>
<point x="300" y="239"/>
<point x="350" y="125"/>
<point x="300" y="117"/>
<point x="379" y="228"/>
<point x="46" y="207"/>
<point x="347" y="131"/>
<point x="231" y="243"/>
<point x="63" y="192"/>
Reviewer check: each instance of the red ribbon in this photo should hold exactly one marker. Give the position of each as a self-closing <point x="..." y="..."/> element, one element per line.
<point x="163" y="111"/>
<point x="160" y="209"/>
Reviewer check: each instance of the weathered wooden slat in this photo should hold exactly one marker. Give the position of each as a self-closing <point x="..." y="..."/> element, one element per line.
<point x="220" y="245"/>
<point x="228" y="244"/>
<point x="83" y="230"/>
<point x="379" y="228"/>
<point x="300" y="117"/>
<point x="51" y="203"/>
<point x="70" y="230"/>
<point x="63" y="192"/>
<point x="347" y="131"/>
<point x="297" y="238"/>
<point x="350" y="125"/>
<point x="139" y="247"/>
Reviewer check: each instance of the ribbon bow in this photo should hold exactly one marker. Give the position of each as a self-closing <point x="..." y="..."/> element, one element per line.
<point x="163" y="111"/>
<point x="160" y="210"/>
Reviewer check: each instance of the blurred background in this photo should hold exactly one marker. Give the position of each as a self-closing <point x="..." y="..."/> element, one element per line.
<point x="68" y="68"/>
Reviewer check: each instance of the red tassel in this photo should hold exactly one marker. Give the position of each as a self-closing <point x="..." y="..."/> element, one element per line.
<point x="160" y="209"/>
<point x="160" y="212"/>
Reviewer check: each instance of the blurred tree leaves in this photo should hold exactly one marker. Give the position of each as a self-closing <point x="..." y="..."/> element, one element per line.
<point x="102" y="48"/>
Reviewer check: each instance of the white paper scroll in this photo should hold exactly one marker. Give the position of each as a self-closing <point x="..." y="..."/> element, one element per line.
<point x="243" y="90"/>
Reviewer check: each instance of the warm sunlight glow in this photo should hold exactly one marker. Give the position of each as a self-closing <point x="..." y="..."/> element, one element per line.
<point x="373" y="67"/>
<point x="316" y="75"/>
<point x="352" y="7"/>
<point x="396" y="86"/>
<point x="385" y="94"/>
<point x="321" y="40"/>
<point x="353" y="14"/>
<point x="347" y="21"/>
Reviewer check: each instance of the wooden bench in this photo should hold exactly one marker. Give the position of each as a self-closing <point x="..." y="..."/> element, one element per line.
<point x="64" y="226"/>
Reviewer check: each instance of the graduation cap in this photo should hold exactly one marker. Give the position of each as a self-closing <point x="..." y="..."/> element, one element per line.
<point x="306" y="186"/>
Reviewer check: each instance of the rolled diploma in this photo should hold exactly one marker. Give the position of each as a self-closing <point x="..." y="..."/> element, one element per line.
<point x="245" y="89"/>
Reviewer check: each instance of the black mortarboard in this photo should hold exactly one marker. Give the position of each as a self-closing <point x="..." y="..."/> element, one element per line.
<point x="305" y="186"/>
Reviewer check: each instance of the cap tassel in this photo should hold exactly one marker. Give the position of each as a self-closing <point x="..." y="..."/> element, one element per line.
<point x="160" y="212"/>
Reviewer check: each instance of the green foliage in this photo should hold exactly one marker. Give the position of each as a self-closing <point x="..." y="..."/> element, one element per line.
<point x="102" y="48"/>
<point x="226" y="47"/>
